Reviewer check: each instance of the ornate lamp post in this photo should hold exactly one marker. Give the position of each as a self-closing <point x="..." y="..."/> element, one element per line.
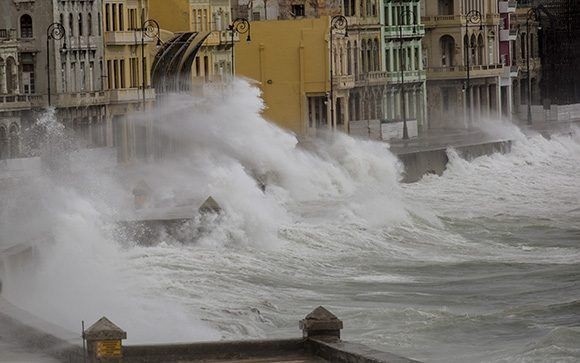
<point x="55" y="31"/>
<point x="472" y="17"/>
<point x="337" y="22"/>
<point x="150" y="30"/>
<point x="408" y="13"/>
<point x="240" y="26"/>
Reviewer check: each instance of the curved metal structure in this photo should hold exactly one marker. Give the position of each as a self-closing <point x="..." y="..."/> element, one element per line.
<point x="171" y="69"/>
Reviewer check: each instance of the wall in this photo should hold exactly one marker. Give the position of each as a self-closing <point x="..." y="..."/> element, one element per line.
<point x="173" y="15"/>
<point x="286" y="73"/>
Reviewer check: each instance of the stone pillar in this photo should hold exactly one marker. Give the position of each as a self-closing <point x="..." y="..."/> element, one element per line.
<point x="104" y="342"/>
<point x="321" y="323"/>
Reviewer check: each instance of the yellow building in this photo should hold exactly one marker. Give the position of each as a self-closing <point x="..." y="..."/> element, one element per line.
<point x="126" y="72"/>
<point x="209" y="18"/>
<point x="294" y="78"/>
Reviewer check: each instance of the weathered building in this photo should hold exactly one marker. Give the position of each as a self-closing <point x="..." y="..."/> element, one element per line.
<point x="559" y="50"/>
<point x="127" y="68"/>
<point x="525" y="30"/>
<point x="402" y="35"/>
<point x="80" y="57"/>
<point x="462" y="54"/>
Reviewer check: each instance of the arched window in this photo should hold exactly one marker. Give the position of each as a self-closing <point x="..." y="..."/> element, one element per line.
<point x="370" y="60"/>
<point x="447" y="46"/>
<point x="473" y="49"/>
<point x="71" y="32"/>
<point x="363" y="55"/>
<point x="90" y="24"/>
<point x="3" y="143"/>
<point x="2" y="74"/>
<point x="14" y="141"/>
<point x="11" y="73"/>
<point x="523" y="39"/>
<point x="465" y="49"/>
<point x="491" y="45"/>
<point x="80" y="24"/>
<point x="355" y="56"/>
<point x="349" y="58"/>
<point x="480" y="50"/>
<point x="26" y="26"/>
<point x="377" y="56"/>
<point x="532" y="50"/>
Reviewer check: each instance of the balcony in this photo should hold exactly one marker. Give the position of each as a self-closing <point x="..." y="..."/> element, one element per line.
<point x="410" y="76"/>
<point x="222" y="37"/>
<point x="456" y="20"/>
<point x="460" y="72"/>
<point x="343" y="82"/>
<point x="129" y="37"/>
<point x="130" y="95"/>
<point x="409" y="31"/>
<point x="80" y="99"/>
<point x="15" y="102"/>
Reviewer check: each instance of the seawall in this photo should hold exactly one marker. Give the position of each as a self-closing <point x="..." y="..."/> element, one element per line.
<point x="434" y="161"/>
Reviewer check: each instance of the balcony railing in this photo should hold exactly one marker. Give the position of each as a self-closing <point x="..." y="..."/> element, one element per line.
<point x="130" y="95"/>
<point x="125" y="37"/>
<point x="460" y="72"/>
<point x="343" y="81"/>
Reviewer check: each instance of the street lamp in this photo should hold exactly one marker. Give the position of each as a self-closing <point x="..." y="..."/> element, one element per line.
<point x="472" y="17"/>
<point x="150" y="30"/>
<point x="338" y="22"/>
<point x="240" y="26"/>
<point x="55" y="31"/>
<point x="402" y="15"/>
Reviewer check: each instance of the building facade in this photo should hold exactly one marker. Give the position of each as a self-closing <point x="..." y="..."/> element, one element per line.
<point x="463" y="63"/>
<point x="402" y="37"/>
<point x="211" y="20"/>
<point x="525" y="38"/>
<point x="126" y="76"/>
<point x="353" y="96"/>
<point x="507" y="47"/>
<point x="83" y="70"/>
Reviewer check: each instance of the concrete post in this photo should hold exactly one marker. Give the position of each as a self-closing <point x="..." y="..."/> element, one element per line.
<point x="104" y="342"/>
<point x="321" y="323"/>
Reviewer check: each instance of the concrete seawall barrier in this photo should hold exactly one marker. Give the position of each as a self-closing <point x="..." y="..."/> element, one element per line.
<point x="434" y="161"/>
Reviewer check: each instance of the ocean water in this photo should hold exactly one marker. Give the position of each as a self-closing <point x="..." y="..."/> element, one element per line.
<point x="481" y="264"/>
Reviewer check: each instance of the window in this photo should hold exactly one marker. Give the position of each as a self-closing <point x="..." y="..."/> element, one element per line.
<point x="114" y="15"/>
<point x="121" y="18"/>
<point x="90" y="24"/>
<point x="80" y="21"/>
<point x="70" y="25"/>
<point x="26" y="26"/>
<point x="298" y="10"/>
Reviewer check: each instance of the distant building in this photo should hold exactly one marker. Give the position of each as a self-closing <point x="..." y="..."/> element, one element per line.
<point x="559" y="50"/>
<point x="507" y="48"/>
<point x="412" y="31"/>
<point x="519" y="48"/>
<point x="358" y="101"/>
<point x="451" y="44"/>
